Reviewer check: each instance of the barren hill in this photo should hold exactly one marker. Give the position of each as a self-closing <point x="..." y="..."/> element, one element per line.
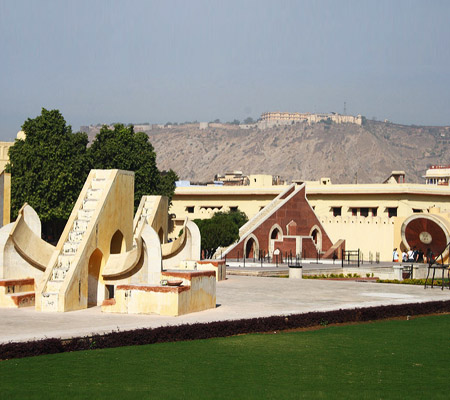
<point x="301" y="151"/>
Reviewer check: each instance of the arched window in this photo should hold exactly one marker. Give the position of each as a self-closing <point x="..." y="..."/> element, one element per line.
<point x="316" y="235"/>
<point x="251" y="247"/>
<point x="276" y="234"/>
<point x="117" y="243"/>
<point x="94" y="265"/>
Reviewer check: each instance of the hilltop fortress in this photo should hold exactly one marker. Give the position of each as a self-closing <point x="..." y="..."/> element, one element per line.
<point x="270" y="119"/>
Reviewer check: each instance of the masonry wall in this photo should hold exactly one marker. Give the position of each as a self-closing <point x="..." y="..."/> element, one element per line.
<point x="369" y="234"/>
<point x="296" y="209"/>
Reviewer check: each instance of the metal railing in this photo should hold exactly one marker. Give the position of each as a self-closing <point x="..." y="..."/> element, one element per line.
<point x="434" y="265"/>
<point x="350" y="257"/>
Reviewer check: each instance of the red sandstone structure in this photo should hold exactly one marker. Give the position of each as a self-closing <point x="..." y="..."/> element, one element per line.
<point x="288" y="224"/>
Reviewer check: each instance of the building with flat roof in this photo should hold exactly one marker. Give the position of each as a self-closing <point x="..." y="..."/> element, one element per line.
<point x="438" y="175"/>
<point x="367" y="216"/>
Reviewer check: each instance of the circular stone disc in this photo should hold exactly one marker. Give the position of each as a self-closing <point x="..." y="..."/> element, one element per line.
<point x="423" y="233"/>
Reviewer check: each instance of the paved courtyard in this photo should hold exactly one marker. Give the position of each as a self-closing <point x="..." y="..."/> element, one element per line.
<point x="237" y="297"/>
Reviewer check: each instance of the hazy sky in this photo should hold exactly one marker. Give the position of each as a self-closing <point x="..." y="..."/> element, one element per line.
<point x="158" y="61"/>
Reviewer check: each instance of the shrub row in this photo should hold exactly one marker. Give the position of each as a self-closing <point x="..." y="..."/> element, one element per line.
<point x="328" y="276"/>
<point x="216" y="329"/>
<point x="437" y="282"/>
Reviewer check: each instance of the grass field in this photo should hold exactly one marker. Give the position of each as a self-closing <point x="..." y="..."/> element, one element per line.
<point x="396" y="359"/>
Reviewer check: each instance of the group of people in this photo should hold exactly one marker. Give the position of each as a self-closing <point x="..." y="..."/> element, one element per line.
<point x="413" y="255"/>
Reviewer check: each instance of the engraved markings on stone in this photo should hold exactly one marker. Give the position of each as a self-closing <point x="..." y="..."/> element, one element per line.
<point x="425" y="238"/>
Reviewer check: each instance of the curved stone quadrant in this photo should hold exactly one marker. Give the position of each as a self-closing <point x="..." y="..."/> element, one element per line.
<point x="101" y="248"/>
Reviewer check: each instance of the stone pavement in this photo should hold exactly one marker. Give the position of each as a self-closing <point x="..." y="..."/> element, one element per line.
<point x="237" y="297"/>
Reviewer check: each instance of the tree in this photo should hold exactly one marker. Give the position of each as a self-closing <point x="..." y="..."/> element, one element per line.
<point x="122" y="148"/>
<point x="249" y="120"/>
<point x="221" y="230"/>
<point x="50" y="166"/>
<point x="166" y="185"/>
<point x="48" y="169"/>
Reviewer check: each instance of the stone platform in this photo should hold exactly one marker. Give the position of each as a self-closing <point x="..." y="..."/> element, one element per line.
<point x="237" y="297"/>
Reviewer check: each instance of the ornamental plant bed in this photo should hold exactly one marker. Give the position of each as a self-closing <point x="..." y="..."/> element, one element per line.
<point x="360" y="279"/>
<point x="343" y="277"/>
<point x="421" y="282"/>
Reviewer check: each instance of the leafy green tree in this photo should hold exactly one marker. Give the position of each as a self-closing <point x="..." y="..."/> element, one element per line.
<point x="50" y="166"/>
<point x="122" y="148"/>
<point x="249" y="120"/>
<point x="48" y="169"/>
<point x="166" y="185"/>
<point x="221" y="230"/>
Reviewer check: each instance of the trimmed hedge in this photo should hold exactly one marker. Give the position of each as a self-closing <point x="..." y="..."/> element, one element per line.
<point x="217" y="329"/>
<point x="420" y="282"/>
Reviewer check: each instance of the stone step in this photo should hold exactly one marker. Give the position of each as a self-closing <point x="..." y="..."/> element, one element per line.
<point x="94" y="194"/>
<point x="75" y="236"/>
<point x="147" y="211"/>
<point x="70" y="247"/>
<point x="53" y="286"/>
<point x="85" y="214"/>
<point x="10" y="286"/>
<point x="101" y="174"/>
<point x="89" y="204"/>
<point x="98" y="183"/>
<point x="59" y="273"/>
<point x="64" y="261"/>
<point x="149" y="203"/>
<point x="80" y="225"/>
<point x="49" y="301"/>
<point x="23" y="299"/>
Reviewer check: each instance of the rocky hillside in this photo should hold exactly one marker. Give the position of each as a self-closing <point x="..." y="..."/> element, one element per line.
<point x="341" y="152"/>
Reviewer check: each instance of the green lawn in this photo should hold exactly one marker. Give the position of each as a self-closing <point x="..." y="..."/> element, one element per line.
<point x="384" y="360"/>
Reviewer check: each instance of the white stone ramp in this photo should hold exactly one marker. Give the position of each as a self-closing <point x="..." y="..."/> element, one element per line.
<point x="102" y="206"/>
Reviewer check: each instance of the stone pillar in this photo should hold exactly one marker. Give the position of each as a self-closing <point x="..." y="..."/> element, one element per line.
<point x="398" y="272"/>
<point x="295" y="272"/>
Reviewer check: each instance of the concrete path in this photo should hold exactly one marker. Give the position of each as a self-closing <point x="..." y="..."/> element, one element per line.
<point x="237" y="297"/>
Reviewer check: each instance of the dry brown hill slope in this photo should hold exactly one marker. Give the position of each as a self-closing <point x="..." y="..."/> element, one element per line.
<point x="301" y="151"/>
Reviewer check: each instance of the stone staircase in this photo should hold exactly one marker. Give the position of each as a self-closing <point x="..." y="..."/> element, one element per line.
<point x="147" y="211"/>
<point x="258" y="218"/>
<point x="266" y="211"/>
<point x="70" y="247"/>
<point x="17" y="293"/>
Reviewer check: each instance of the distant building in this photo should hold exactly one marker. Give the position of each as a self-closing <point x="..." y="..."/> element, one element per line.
<point x="271" y="119"/>
<point x="438" y="175"/>
<point x="396" y="177"/>
<point x="142" y="128"/>
<point x="248" y="126"/>
<point x="367" y="216"/>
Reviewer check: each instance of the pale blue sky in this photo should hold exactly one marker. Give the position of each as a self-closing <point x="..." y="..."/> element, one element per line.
<point x="159" y="61"/>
